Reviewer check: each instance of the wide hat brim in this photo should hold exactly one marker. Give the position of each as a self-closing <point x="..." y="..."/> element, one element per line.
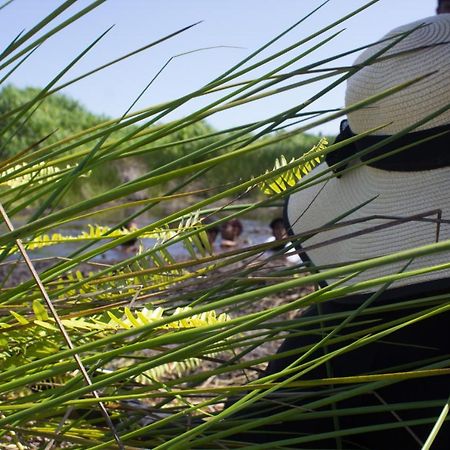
<point x="399" y="191"/>
<point x="371" y="193"/>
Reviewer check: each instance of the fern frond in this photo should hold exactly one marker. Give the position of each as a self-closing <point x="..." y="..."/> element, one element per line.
<point x="36" y="174"/>
<point x="164" y="371"/>
<point x="282" y="181"/>
<point x="146" y="316"/>
<point x="95" y="232"/>
<point x="197" y="243"/>
<point x="25" y="338"/>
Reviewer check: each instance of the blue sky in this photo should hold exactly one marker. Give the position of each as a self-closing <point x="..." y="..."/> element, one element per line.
<point x="236" y="27"/>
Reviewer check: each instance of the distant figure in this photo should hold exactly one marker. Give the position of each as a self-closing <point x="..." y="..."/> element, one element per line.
<point x="230" y="231"/>
<point x="212" y="232"/>
<point x="279" y="233"/>
<point x="130" y="245"/>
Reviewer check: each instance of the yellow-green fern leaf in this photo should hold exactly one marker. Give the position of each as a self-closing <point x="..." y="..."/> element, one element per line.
<point x="282" y="181"/>
<point x="39" y="310"/>
<point x="36" y="174"/>
<point x="95" y="232"/>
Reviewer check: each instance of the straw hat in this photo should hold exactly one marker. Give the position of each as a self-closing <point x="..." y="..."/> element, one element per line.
<point x="410" y="183"/>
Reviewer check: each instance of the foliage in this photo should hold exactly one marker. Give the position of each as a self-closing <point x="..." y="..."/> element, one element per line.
<point x="57" y="115"/>
<point x="60" y="117"/>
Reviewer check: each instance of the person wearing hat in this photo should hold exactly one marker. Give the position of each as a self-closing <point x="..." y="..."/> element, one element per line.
<point x="379" y="204"/>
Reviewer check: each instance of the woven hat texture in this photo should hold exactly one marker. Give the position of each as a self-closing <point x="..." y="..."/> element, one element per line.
<point x="425" y="50"/>
<point x="385" y="192"/>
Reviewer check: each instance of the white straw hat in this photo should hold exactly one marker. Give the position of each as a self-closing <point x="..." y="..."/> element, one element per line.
<point x="411" y="183"/>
